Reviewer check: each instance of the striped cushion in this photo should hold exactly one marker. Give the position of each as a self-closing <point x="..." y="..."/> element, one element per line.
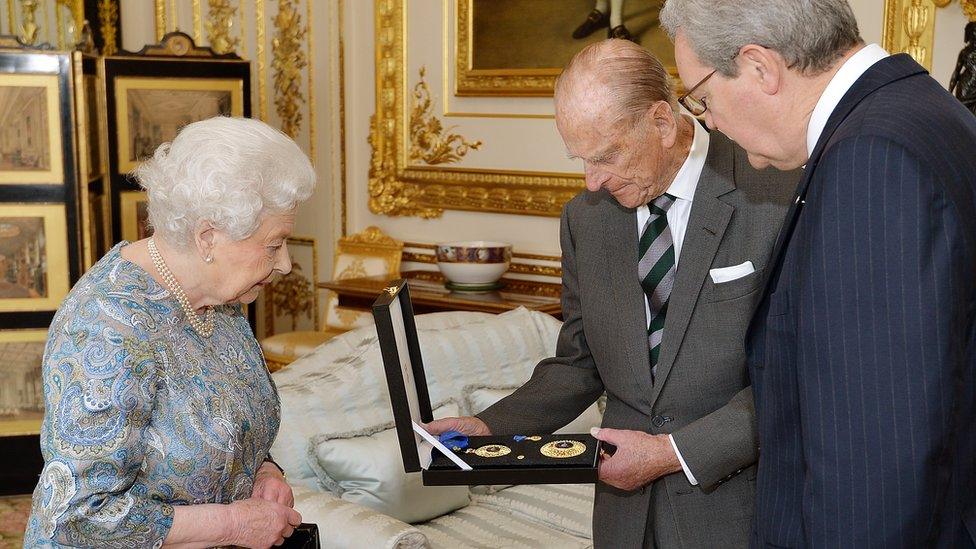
<point x="564" y="507"/>
<point x="490" y="527"/>
<point x="346" y="525"/>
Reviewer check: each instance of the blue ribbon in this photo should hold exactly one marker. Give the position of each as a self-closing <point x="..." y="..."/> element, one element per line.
<point x="454" y="440"/>
<point x="519" y="438"/>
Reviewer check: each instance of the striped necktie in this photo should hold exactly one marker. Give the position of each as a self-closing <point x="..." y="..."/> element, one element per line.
<point x="656" y="268"/>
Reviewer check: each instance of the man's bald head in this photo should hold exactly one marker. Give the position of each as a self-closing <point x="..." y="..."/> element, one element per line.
<point x="614" y="78"/>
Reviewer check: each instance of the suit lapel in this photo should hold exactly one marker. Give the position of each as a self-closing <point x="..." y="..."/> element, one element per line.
<point x="626" y="310"/>
<point x="706" y="226"/>
<point x="879" y="75"/>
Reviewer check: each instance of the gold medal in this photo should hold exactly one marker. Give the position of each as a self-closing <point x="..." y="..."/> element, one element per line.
<point x="493" y="451"/>
<point x="563" y="449"/>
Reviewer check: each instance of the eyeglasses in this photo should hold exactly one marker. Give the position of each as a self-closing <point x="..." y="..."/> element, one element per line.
<point x="696" y="107"/>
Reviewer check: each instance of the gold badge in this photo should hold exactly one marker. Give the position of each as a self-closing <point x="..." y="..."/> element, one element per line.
<point x="563" y="449"/>
<point x="492" y="451"/>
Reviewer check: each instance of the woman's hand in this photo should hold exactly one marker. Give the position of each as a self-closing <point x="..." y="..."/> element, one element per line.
<point x="259" y="523"/>
<point x="270" y="484"/>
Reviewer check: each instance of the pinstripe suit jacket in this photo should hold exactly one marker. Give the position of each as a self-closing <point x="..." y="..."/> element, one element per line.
<point x="863" y="350"/>
<point x="701" y="393"/>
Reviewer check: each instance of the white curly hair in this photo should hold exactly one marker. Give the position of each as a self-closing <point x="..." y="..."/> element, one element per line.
<point x="224" y="171"/>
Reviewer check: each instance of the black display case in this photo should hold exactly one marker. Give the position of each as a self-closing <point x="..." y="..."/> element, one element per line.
<point x="529" y="458"/>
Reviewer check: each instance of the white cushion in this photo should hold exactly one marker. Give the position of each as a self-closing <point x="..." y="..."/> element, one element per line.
<point x="479" y="398"/>
<point x="344" y="525"/>
<point x="367" y="470"/>
<point x="341" y="386"/>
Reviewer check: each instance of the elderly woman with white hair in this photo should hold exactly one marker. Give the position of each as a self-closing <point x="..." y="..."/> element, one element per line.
<point x="159" y="410"/>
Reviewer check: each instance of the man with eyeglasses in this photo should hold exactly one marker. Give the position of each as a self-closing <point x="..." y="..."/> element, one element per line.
<point x="662" y="257"/>
<point x="862" y="353"/>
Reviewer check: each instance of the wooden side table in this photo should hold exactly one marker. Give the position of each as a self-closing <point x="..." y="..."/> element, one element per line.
<point x="428" y="294"/>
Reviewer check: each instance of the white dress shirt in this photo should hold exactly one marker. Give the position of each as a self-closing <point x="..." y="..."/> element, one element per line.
<point x="839" y="85"/>
<point x="683" y="189"/>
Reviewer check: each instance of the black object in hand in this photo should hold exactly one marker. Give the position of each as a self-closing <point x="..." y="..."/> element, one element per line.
<point x="305" y="536"/>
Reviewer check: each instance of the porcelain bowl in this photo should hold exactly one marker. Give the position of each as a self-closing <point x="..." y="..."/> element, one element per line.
<point x="473" y="262"/>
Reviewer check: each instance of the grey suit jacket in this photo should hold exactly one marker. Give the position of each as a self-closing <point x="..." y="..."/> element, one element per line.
<point x="702" y="394"/>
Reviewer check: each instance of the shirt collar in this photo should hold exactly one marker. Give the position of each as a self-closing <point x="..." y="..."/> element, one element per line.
<point x="686" y="181"/>
<point x="843" y="80"/>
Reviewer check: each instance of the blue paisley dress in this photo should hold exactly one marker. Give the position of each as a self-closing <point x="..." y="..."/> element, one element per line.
<point x="141" y="413"/>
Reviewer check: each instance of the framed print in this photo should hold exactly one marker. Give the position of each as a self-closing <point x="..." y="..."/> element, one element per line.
<point x="518" y="47"/>
<point x="41" y="210"/>
<point x="150" y="111"/>
<point x="33" y="257"/>
<point x="21" y="388"/>
<point x="30" y="130"/>
<point x="135" y="216"/>
<point x="291" y="301"/>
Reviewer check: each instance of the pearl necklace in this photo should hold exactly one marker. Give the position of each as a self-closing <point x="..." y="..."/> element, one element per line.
<point x="203" y="327"/>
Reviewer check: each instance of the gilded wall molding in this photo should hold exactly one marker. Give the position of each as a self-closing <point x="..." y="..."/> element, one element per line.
<point x="11" y="19"/>
<point x="220" y="22"/>
<point x="310" y="26"/>
<point x="108" y="20"/>
<point x="28" y="22"/>
<point x="399" y="189"/>
<point x="261" y="54"/>
<point x="909" y="26"/>
<point x="430" y="142"/>
<point x="969" y="8"/>
<point x="160" y="12"/>
<point x="288" y="60"/>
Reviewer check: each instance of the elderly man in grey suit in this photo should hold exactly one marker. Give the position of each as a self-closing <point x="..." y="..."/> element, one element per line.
<point x="662" y="260"/>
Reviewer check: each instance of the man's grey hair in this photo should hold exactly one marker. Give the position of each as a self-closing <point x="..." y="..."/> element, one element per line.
<point x="811" y="35"/>
<point x="227" y="172"/>
<point x="631" y="78"/>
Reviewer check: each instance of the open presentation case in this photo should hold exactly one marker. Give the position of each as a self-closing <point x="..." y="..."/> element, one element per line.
<point x="528" y="458"/>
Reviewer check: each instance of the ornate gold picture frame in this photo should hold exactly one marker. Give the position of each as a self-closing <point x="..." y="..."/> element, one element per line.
<point x="518" y="47"/>
<point x="34" y="270"/>
<point x="150" y="111"/>
<point x="30" y="130"/>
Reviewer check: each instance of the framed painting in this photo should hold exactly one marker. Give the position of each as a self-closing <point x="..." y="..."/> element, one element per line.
<point x="291" y="302"/>
<point x="150" y="111"/>
<point x="41" y="209"/>
<point x="135" y="216"/>
<point x="33" y="257"/>
<point x="30" y="130"/>
<point x="21" y="388"/>
<point x="518" y="47"/>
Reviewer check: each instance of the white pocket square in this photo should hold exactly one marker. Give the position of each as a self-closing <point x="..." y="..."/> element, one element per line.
<point x="728" y="274"/>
